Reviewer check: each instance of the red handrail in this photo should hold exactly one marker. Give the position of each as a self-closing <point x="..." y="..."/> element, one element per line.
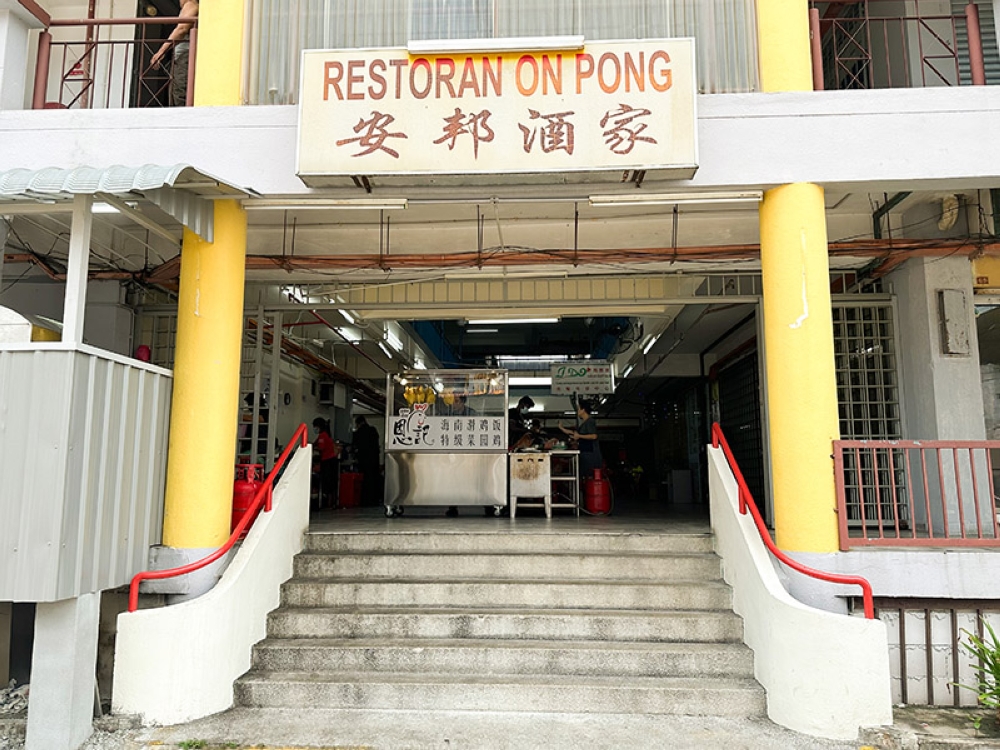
<point x="299" y="439"/>
<point x="746" y="501"/>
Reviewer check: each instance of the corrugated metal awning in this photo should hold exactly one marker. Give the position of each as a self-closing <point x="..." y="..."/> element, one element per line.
<point x="180" y="190"/>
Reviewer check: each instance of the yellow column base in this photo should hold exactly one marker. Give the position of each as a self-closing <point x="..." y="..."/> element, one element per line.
<point x="800" y="370"/>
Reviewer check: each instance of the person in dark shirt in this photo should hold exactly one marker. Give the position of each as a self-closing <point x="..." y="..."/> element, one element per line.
<point x="518" y="424"/>
<point x="366" y="450"/>
<point x="586" y="436"/>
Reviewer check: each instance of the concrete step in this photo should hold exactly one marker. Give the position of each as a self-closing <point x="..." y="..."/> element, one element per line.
<point x="456" y="540"/>
<point x="646" y="695"/>
<point x="476" y="593"/>
<point x="532" y="565"/>
<point x="624" y="625"/>
<point x="495" y="657"/>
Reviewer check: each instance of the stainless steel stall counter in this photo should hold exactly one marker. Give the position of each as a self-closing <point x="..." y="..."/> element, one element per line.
<point x="446" y="439"/>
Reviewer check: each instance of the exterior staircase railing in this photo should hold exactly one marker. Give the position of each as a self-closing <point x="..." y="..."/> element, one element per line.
<point x="261" y="498"/>
<point x="747" y="504"/>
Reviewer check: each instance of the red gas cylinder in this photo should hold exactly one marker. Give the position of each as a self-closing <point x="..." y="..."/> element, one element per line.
<point x="249" y="478"/>
<point x="350" y="489"/>
<point x="597" y="494"/>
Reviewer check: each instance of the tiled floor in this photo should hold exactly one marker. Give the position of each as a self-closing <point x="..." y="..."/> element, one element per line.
<point x="638" y="519"/>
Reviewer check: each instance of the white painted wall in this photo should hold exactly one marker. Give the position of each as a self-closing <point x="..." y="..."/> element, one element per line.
<point x="917" y="573"/>
<point x="747" y="140"/>
<point x="942" y="394"/>
<point x="826" y="675"/>
<point x="178" y="663"/>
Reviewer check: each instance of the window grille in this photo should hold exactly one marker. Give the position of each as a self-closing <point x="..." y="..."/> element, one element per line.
<point x="864" y="339"/>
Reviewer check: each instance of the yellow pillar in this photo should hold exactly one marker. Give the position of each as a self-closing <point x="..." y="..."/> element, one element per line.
<point x="798" y="325"/>
<point x="783" y="45"/>
<point x="219" y="62"/>
<point x="204" y="409"/>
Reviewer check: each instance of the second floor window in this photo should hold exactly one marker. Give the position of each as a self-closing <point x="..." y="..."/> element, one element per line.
<point x="724" y="30"/>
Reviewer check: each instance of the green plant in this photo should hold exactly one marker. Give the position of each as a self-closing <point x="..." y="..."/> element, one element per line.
<point x="192" y="744"/>
<point x="986" y="650"/>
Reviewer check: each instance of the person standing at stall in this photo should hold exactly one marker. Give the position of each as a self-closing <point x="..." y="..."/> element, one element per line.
<point x="329" y="464"/>
<point x="365" y="447"/>
<point x="586" y="436"/>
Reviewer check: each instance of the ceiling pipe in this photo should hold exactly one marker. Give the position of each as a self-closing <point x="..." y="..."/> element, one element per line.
<point x="320" y="319"/>
<point x="884" y="209"/>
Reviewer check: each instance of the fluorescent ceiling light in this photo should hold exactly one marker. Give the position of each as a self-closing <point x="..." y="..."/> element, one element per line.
<point x="482" y="330"/>
<point x="627" y="371"/>
<point x="535" y="358"/>
<point x="667" y="199"/>
<point x="99" y="207"/>
<point x="502" y="44"/>
<point x="347" y="317"/>
<point x="297" y="204"/>
<point x="650" y="343"/>
<point x="529" y="381"/>
<point x="505" y="321"/>
<point x="385" y="349"/>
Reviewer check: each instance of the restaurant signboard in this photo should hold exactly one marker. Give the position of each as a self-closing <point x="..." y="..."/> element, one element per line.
<point x="608" y="106"/>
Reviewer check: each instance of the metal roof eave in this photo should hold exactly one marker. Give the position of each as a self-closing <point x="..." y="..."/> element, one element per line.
<point x="180" y="190"/>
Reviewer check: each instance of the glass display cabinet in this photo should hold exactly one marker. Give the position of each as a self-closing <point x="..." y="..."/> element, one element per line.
<point x="446" y="439"/>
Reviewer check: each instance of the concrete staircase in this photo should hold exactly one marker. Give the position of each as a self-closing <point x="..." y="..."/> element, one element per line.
<point x="586" y="623"/>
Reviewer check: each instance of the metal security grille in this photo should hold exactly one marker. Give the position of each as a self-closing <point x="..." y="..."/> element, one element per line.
<point x="739" y="416"/>
<point x="864" y="339"/>
<point x="258" y="388"/>
<point x="159" y="332"/>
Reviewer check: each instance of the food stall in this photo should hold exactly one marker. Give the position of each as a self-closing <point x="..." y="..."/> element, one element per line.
<point x="446" y="439"/>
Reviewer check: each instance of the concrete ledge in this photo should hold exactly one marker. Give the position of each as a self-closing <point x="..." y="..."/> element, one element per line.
<point x="13" y="726"/>
<point x="934" y="728"/>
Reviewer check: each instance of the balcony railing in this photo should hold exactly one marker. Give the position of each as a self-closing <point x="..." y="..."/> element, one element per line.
<point x="861" y="44"/>
<point x="916" y="493"/>
<point x="93" y="66"/>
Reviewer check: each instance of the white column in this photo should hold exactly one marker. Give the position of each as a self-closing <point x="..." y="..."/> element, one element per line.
<point x="63" y="670"/>
<point x="76" y="273"/>
<point x="13" y="61"/>
<point x="942" y="391"/>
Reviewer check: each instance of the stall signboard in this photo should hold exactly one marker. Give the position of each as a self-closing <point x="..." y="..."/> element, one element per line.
<point x="415" y="430"/>
<point x="586" y="378"/>
<point x="608" y="106"/>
